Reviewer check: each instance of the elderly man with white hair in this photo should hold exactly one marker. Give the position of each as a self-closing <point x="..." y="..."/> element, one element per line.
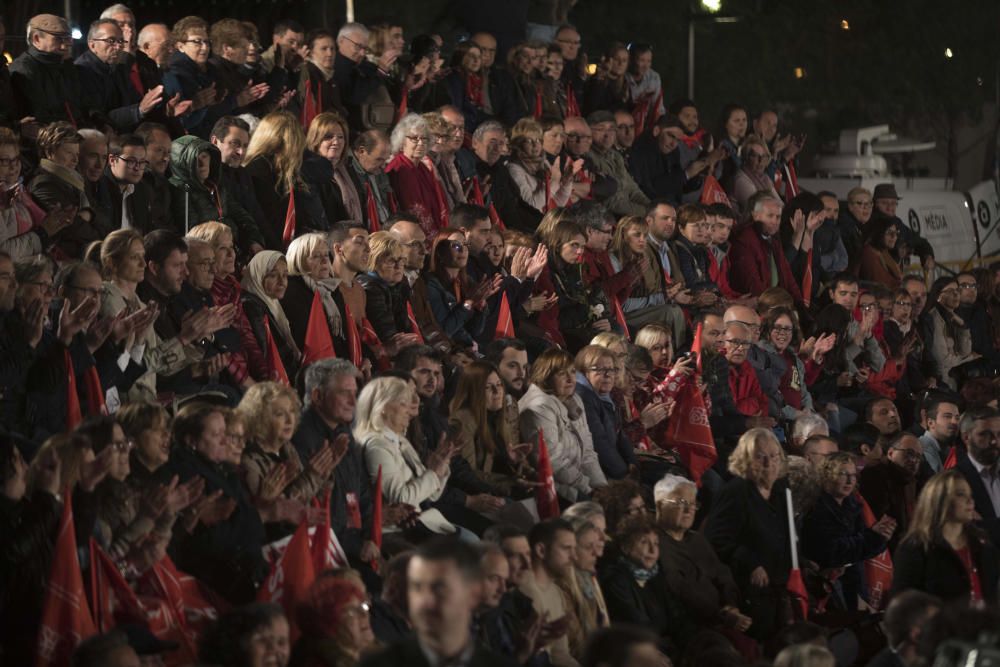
<point x="357" y="77"/>
<point x="693" y="573"/>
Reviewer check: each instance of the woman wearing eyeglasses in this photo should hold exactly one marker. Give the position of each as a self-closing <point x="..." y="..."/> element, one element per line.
<point x="748" y="528"/>
<point x="834" y="534"/>
<point x="943" y="553"/>
<point x="691" y="569"/>
<point x="951" y="342"/>
<point x="780" y="335"/>
<point x="414" y="182"/>
<point x="388" y="294"/>
<point x="596" y="373"/>
<point x="752" y="176"/>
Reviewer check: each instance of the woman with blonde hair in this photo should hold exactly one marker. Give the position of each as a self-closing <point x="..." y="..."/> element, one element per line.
<point x="748" y="528"/>
<point x="309" y="273"/>
<point x="326" y="167"/>
<point x="551" y="407"/>
<point x="270" y="463"/>
<point x="274" y="164"/>
<point x="384" y="411"/>
<point x="549" y="221"/>
<point x="541" y="186"/>
<point x="752" y="176"/>
<point x="387" y="292"/>
<point x="943" y="553"/>
<point x="805" y="655"/>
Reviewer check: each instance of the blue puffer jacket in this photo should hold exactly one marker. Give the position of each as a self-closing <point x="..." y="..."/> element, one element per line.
<point x="614" y="451"/>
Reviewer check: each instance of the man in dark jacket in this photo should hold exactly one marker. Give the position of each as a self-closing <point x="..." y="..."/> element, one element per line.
<point x="367" y="172"/>
<point x="231" y="135"/>
<point x="980" y="433"/>
<point x="891" y="487"/>
<point x="356" y="77"/>
<point x="131" y="197"/>
<point x="497" y="186"/>
<point x="655" y="163"/>
<point x="45" y="84"/>
<point x="886" y="200"/>
<point x="158" y="143"/>
<point x="104" y="83"/>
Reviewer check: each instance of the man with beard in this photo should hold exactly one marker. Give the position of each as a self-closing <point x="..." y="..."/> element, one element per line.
<point x="891" y="487"/>
<point x="443" y="581"/>
<point x="826" y="240"/>
<point x="510" y="356"/>
<point x="693" y="138"/>
<point x="980" y="432"/>
<point x="941" y="421"/>
<point x="158" y="143"/>
<point x="553" y="547"/>
<point x="883" y="415"/>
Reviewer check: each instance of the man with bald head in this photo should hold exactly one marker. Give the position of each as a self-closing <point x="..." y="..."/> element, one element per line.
<point x="410" y="234"/>
<point x="769" y="367"/>
<point x="589" y="183"/>
<point x="465" y="160"/>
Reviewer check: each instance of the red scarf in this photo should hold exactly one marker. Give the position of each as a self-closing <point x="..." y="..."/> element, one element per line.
<point x="474" y="90"/>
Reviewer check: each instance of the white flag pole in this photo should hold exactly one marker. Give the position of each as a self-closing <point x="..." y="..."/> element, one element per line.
<point x="350" y="11"/>
<point x="791" y="530"/>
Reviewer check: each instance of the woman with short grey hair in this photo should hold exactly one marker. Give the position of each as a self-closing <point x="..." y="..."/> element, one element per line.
<point x="412" y="175"/>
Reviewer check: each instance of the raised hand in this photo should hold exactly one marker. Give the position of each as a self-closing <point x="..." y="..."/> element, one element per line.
<point x="274" y="482"/>
<point x="519" y="263"/>
<point x="57" y="219"/>
<point x="73" y="320"/>
<point x="177" y="107"/>
<point x="251" y="94"/>
<point x="321" y="462"/>
<point x="100" y="329"/>
<point x="151" y="99"/>
<point x="34" y="322"/>
<point x="94" y="472"/>
<point x="204" y="98"/>
<point x="537" y="262"/>
<point x="653" y="414"/>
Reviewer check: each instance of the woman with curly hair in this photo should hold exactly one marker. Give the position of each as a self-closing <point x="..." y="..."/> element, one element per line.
<point x="414" y="182"/>
<point x="621" y="498"/>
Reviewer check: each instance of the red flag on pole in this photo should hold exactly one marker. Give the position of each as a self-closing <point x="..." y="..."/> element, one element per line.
<point x="538" y="105"/>
<point x="696" y="347"/>
<point x="807" y="278"/>
<point x="689" y="432"/>
<point x="310" y="106"/>
<point x="371" y="206"/>
<point x="318" y="342"/>
<point x="545" y="495"/>
<point x="713" y="193"/>
<point x="572" y="106"/>
<point x="291" y="575"/>
<point x="178" y="608"/>
<point x="95" y="392"/>
<point x="878" y="570"/>
<point x="952" y="460"/>
<point x="277" y="367"/>
<point x="505" y="324"/>
<point x="376" y="534"/>
<point x="73" y="414"/>
<point x="353" y="337"/>
<point x="413" y="322"/>
<point x="620" y="316"/>
<point x="289" y="231"/>
<point x="326" y="550"/>
<point x="495" y="218"/>
<point x="113" y="600"/>
<point x="66" y="619"/>
<point x="477" y="198"/>
<point x="795" y="586"/>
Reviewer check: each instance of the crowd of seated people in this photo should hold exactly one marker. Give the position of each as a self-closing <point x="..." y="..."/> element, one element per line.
<point x="482" y="345"/>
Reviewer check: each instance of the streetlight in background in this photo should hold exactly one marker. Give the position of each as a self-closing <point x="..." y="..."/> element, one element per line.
<point x="704" y="11"/>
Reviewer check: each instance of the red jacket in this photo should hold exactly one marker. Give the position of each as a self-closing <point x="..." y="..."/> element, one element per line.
<point x="747" y="394"/>
<point x="598" y="269"/>
<point x="750" y="270"/>
<point x="419" y="193"/>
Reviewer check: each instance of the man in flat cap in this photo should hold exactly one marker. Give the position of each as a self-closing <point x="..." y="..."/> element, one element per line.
<point x="43" y="78"/>
<point x="886" y="200"/>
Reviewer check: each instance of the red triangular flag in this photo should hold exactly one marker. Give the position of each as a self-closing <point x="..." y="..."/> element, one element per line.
<point x="952" y="460"/>
<point x="538" y="105"/>
<point x="291" y="575"/>
<point x="95" y="392"/>
<point x="276" y="366"/>
<point x="376" y="534"/>
<point x="545" y="495"/>
<point x="476" y="195"/>
<point x="549" y="202"/>
<point x="713" y="193"/>
<point x="371" y="339"/>
<point x="572" y="106"/>
<point x="66" y="619"/>
<point x="807" y="278"/>
<point x="289" y="231"/>
<point x="797" y="589"/>
<point x="620" y="316"/>
<point x="689" y="432"/>
<point x="495" y="218"/>
<point x="353" y="337"/>
<point x="318" y="343"/>
<point x="878" y="570"/>
<point x="73" y="414"/>
<point x="415" y="328"/>
<point x="113" y="600"/>
<point x="372" y="207"/>
<point x="696" y="347"/>
<point x="178" y="607"/>
<point x="403" y="104"/>
<point x="310" y="108"/>
<point x="326" y="550"/>
<point x="505" y="324"/>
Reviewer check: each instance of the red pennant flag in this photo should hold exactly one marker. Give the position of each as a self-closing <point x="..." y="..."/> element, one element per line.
<point x="291" y="575"/>
<point x="66" y="619"/>
<point x="476" y="195"/>
<point x="289" y="231"/>
<point x="113" y="600"/>
<point x="696" y="347"/>
<point x="797" y="589"/>
<point x="318" y="343"/>
<point x="95" y="392"/>
<point x="415" y="328"/>
<point x="505" y="324"/>
<point x="310" y="106"/>
<point x="372" y="207"/>
<point x="549" y="202"/>
<point x="620" y="316"/>
<point x="403" y="104"/>
<point x="73" y="414"/>
<point x="326" y="550"/>
<point x="689" y="432"/>
<point x="538" y="105"/>
<point x="371" y="339"/>
<point x="376" y="534"/>
<point x="713" y="193"/>
<point x="878" y="570"/>
<point x="277" y="367"/>
<point x="952" y="460"/>
<point x="791" y="181"/>
<point x="495" y="218"/>
<point x="572" y="106"/>
<point x="353" y="337"/>
<point x="178" y="608"/>
<point x="807" y="278"/>
<point x="545" y="495"/>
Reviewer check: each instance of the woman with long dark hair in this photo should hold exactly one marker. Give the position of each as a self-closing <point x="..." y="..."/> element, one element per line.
<point x="877" y="261"/>
<point x="951" y="344"/>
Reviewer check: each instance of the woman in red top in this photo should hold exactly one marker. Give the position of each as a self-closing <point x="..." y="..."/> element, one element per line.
<point x="943" y="553"/>
<point x="414" y="183"/>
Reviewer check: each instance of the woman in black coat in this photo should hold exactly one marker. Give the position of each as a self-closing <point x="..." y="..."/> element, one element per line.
<point x="596" y="372"/>
<point x="309" y="274"/>
<point x="834" y="534"/>
<point x="265" y="281"/>
<point x="748" y="528"/>
<point x="386" y="289"/>
<point x="942" y="553"/>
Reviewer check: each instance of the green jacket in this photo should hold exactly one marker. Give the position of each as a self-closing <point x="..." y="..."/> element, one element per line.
<point x="206" y="201"/>
<point x="628" y="198"/>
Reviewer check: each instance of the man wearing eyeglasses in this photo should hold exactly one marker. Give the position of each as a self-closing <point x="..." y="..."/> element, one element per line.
<point x="131" y="196"/>
<point x="45" y="83"/>
<point x="358" y="78"/>
<point x="891" y="488"/>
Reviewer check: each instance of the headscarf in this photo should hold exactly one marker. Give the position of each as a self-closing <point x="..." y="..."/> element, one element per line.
<point x="298" y="255"/>
<point x="253" y="282"/>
